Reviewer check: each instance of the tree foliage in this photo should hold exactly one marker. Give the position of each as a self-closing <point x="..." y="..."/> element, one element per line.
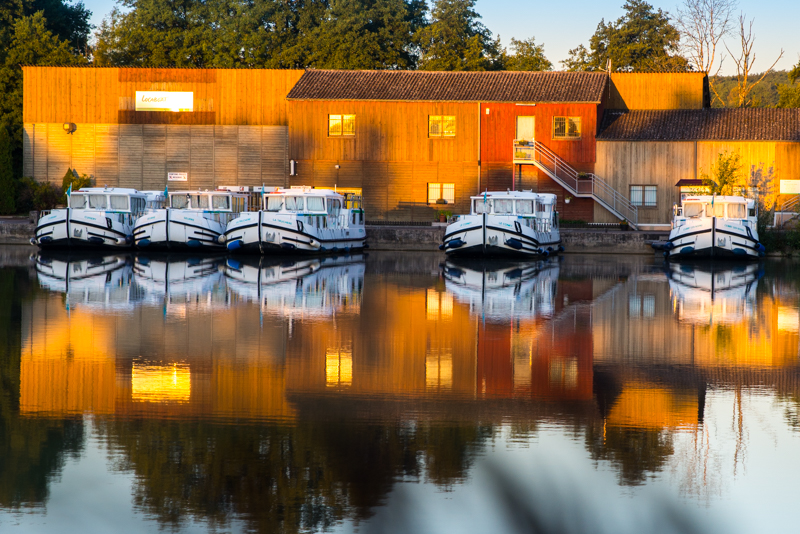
<point x="642" y="39"/>
<point x="789" y="94"/>
<point x="456" y="40"/>
<point x="7" y="182"/>
<point x="726" y="177"/>
<point x="527" y="56"/>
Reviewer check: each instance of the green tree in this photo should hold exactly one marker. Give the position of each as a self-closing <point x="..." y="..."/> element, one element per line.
<point x="32" y="44"/>
<point x="789" y="94"/>
<point x="7" y="182"/>
<point x="642" y="39"/>
<point x="68" y="21"/>
<point x="368" y="34"/>
<point x="527" y="56"/>
<point x="456" y="40"/>
<point x="727" y="177"/>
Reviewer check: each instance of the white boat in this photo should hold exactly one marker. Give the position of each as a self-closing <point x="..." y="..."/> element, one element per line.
<point x="193" y="219"/>
<point x="300" y="219"/>
<point x="710" y="226"/>
<point x="94" y="217"/>
<point x="508" y="223"/>
<point x="176" y="281"/>
<point x="502" y="289"/>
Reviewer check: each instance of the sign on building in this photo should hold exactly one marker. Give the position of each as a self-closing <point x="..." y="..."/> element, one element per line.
<point x="164" y="101"/>
<point x="790" y="187"/>
<point x="177" y="176"/>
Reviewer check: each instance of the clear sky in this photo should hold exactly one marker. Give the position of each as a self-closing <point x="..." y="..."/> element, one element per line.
<point x="561" y="25"/>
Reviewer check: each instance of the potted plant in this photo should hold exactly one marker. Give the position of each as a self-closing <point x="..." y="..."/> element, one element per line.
<point x="624" y="226"/>
<point x="441" y="201"/>
<point x="583" y="176"/>
<point x="444" y="215"/>
<point x="567" y="198"/>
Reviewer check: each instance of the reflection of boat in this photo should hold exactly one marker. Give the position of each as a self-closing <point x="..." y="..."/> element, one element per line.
<point x="504" y="289"/>
<point x="317" y="286"/>
<point x="181" y="279"/>
<point x="95" y="217"/>
<point x="713" y="293"/>
<point x="714" y="226"/>
<point x="95" y="281"/>
<point x="299" y="219"/>
<point x="508" y="223"/>
<point x="193" y="219"/>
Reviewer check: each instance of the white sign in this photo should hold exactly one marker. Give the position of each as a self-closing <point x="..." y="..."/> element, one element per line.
<point x="177" y="176"/>
<point x="164" y="101"/>
<point x="790" y="187"/>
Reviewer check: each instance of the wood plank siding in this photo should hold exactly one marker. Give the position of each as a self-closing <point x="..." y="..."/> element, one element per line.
<point x="498" y="131"/>
<point x="663" y="163"/>
<point x="106" y="95"/>
<point x="390" y="157"/>
<point x="684" y="90"/>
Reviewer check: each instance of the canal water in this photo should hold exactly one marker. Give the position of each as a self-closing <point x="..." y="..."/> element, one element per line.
<point x="397" y="392"/>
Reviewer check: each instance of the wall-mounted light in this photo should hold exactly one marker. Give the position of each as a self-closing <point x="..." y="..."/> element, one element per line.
<point x="292" y="168"/>
<point x="487" y="111"/>
<point x="336" y="166"/>
<point x="69" y="127"/>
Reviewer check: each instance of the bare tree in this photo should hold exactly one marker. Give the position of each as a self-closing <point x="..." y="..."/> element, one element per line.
<point x="745" y="61"/>
<point x="703" y="24"/>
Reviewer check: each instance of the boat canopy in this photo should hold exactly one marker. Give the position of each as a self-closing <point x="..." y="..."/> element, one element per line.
<point x="108" y="199"/>
<point x="521" y="203"/>
<point x="218" y="200"/>
<point x="730" y="207"/>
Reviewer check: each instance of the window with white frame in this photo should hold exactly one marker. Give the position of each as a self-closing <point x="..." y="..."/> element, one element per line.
<point x="341" y="125"/>
<point x="438" y="192"/>
<point x="566" y="127"/>
<point x="644" y="196"/>
<point x="441" y="126"/>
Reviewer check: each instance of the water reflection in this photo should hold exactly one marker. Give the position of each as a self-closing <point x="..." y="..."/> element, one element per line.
<point x="294" y="395"/>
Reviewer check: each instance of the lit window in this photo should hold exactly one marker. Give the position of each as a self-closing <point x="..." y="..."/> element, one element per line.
<point x="566" y="127"/>
<point x="644" y="196"/>
<point x="441" y="126"/>
<point x="439" y="305"/>
<point x="338" y="368"/>
<point x="437" y="191"/>
<point x="438" y="370"/>
<point x="341" y="125"/>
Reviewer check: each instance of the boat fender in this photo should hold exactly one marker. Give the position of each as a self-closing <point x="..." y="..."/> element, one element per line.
<point x="193" y="243"/>
<point x="739" y="251"/>
<point x="561" y="248"/>
<point x="33" y="241"/>
<point x="45" y="239"/>
<point x="143" y="242"/>
<point x="441" y="247"/>
<point x="760" y="248"/>
<point x="365" y="245"/>
<point x="96" y="240"/>
<point x="546" y="253"/>
<point x="288" y="246"/>
<point x="233" y="245"/>
<point x="221" y="239"/>
<point x="687" y="250"/>
<point x="514" y="243"/>
<point x="234" y="264"/>
<point x="666" y="254"/>
<point x="120" y="241"/>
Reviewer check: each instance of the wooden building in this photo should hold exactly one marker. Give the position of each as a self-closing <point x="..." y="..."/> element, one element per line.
<point x="407" y="140"/>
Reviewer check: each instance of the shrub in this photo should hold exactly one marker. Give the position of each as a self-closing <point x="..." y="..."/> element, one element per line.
<point x="33" y="195"/>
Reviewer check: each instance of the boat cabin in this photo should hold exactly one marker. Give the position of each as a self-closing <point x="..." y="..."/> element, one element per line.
<point x="721" y="207"/>
<point x="322" y="205"/>
<point x="519" y="203"/>
<point x="108" y="199"/>
<point x="217" y="201"/>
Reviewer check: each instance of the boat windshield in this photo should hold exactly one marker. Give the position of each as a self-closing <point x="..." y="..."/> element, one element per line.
<point x="717" y="209"/>
<point x="692" y="209"/>
<point x="737" y="211"/>
<point x="524" y="207"/>
<point x="295" y="204"/>
<point x="503" y="206"/>
<point x="220" y="202"/>
<point x="274" y="202"/>
<point x="316" y="204"/>
<point x="483" y="206"/>
<point x="97" y="202"/>
<point x="178" y="202"/>
<point x="77" y="201"/>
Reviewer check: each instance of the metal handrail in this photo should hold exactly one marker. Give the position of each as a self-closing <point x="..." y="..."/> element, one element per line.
<point x="593" y="185"/>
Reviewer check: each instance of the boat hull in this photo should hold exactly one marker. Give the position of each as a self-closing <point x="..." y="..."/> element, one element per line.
<point x="68" y="228"/>
<point x="267" y="233"/>
<point x="713" y="238"/>
<point x="498" y="236"/>
<point x="179" y="230"/>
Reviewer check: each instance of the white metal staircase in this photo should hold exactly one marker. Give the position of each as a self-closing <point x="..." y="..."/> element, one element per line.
<point x="581" y="185"/>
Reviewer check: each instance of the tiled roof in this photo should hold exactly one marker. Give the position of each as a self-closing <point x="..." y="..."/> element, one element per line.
<point x="398" y="85"/>
<point x="734" y="124"/>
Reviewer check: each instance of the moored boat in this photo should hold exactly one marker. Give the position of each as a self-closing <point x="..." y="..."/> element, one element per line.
<point x="192" y="219"/>
<point x="509" y="223"/>
<point x="711" y="226"/>
<point x="300" y="219"/>
<point x="95" y="217"/>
